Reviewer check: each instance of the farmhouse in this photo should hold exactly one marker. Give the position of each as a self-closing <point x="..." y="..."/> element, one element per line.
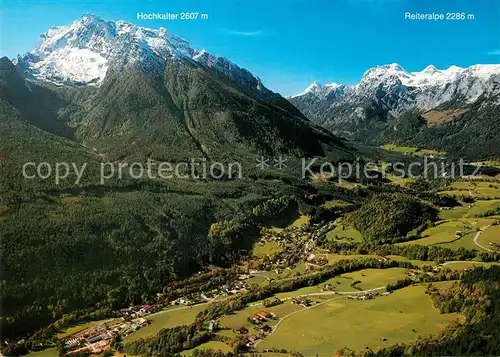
<point x="301" y="301"/>
<point x="242" y="330"/>
<point x="253" y="338"/>
<point x="314" y="260"/>
<point x="413" y="272"/>
<point x="256" y="319"/>
<point x="264" y="315"/>
<point x="140" y="310"/>
<point x="266" y="329"/>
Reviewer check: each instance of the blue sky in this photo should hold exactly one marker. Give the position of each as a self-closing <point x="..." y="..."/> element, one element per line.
<point x="290" y="43"/>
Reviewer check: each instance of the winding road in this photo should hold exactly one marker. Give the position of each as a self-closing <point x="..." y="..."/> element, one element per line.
<point x="477" y="236"/>
<point x="458" y="261"/>
<point x="344" y="294"/>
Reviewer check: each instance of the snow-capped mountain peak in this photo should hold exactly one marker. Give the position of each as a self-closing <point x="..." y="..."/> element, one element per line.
<point x="83" y="53"/>
<point x="90" y="32"/>
<point x="384" y="70"/>
<point x="314" y="87"/>
<point x="430" y="69"/>
<point x="397" y="90"/>
<point x="319" y="89"/>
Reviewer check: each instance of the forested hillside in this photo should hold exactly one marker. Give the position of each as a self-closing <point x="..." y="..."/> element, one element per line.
<point x="78" y="246"/>
<point x="388" y="218"/>
<point x="471" y="134"/>
<point x="269" y="231"/>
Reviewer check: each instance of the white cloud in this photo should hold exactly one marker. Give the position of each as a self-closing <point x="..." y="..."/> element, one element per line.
<point x="243" y="33"/>
<point x="494" y="52"/>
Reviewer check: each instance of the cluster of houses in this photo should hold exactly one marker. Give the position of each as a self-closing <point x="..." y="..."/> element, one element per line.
<point x="230" y="288"/>
<point x="97" y="339"/>
<point x="93" y="340"/>
<point x="368" y="296"/>
<point x="234" y="287"/>
<point x="291" y="255"/>
<point x="413" y="272"/>
<point x="302" y="301"/>
<point x="298" y="243"/>
<point x="321" y="230"/>
<point x="427" y="269"/>
<point x="283" y="237"/>
<point x="261" y="317"/>
<point x="140" y="310"/>
<point x="329" y="287"/>
<point x="313" y="259"/>
<point x="250" y="341"/>
<point x="186" y="301"/>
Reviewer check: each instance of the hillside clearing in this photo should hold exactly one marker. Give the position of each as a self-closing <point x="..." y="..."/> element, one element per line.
<point x="399" y="317"/>
<point x="166" y="319"/>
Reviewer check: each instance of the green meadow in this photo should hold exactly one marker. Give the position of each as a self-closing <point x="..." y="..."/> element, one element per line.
<point x="212" y="345"/>
<point x="490" y="235"/>
<point x="478" y="189"/>
<point x="166" y="319"/>
<point x="402" y="316"/>
<point x="410" y="150"/>
<point x="342" y="233"/>
<point x="444" y="233"/>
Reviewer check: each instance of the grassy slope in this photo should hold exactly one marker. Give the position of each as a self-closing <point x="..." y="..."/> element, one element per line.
<point x="49" y="352"/>
<point x="492" y="234"/>
<point x="470" y="210"/>
<point x="370" y="279"/>
<point x="339" y="323"/>
<point x="214" y="345"/>
<point x="467" y="265"/>
<point x="414" y="262"/>
<point x="345" y="234"/>
<point x="464" y="218"/>
<point x="78" y="328"/>
<point x="481" y="189"/>
<point x="166" y="319"/>
<point x="410" y="150"/>
<point x="375" y="278"/>
<point x="239" y="318"/>
<point x="268" y="248"/>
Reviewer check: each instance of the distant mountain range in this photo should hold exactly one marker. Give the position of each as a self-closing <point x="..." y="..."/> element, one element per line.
<point x="129" y="91"/>
<point x="452" y="109"/>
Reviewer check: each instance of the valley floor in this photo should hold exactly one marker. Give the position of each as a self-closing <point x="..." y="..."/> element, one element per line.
<point x="353" y="309"/>
<point x="402" y="316"/>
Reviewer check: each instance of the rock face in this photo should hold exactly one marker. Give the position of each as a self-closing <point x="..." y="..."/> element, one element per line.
<point x="388" y="101"/>
<point x="395" y="90"/>
<point x="133" y="92"/>
<point x="83" y="52"/>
